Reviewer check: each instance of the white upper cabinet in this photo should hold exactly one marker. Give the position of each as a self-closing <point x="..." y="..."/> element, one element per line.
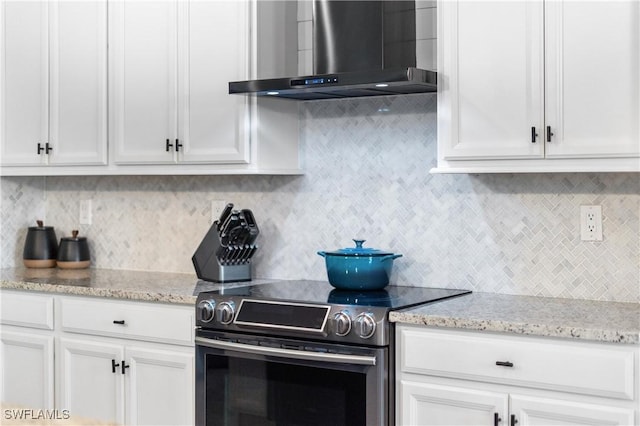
<point x="166" y="108"/>
<point x="143" y="76"/>
<point x="213" y="126"/>
<point x="538" y="86"/>
<point x="491" y="81"/>
<point x="592" y="88"/>
<point x="53" y="83"/>
<point x="171" y="64"/>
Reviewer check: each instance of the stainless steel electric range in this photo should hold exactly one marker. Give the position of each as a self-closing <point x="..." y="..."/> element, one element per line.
<point x="299" y="353"/>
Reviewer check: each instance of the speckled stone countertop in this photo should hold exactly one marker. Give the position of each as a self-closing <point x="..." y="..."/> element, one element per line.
<point x="527" y="315"/>
<point x="133" y="285"/>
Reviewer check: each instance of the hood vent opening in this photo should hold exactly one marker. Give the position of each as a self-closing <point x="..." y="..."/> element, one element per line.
<point x="360" y="48"/>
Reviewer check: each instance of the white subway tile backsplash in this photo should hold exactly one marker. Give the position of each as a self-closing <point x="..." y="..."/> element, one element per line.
<point x="426" y="54"/>
<point x="426" y="24"/>
<point x="305" y="40"/>
<point x="305" y="62"/>
<point x="305" y="10"/>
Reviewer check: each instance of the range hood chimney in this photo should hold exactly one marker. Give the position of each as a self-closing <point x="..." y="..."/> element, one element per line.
<point x="360" y="48"/>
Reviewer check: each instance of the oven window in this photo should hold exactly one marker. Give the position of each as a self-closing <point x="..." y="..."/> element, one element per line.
<point x="257" y="392"/>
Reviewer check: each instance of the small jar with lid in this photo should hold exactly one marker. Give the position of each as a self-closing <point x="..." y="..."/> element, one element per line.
<point x="40" y="246"/>
<point x="73" y="252"/>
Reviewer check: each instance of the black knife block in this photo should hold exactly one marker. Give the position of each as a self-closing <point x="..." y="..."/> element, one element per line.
<point x="209" y="268"/>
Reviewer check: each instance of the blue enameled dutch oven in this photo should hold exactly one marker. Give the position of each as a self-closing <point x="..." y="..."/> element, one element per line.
<point x="359" y="268"/>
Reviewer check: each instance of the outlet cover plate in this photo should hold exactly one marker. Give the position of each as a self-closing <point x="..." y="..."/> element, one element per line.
<point x="591" y="223"/>
<point x="85" y="212"/>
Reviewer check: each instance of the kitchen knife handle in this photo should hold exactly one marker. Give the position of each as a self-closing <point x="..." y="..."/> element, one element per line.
<point x="178" y="145"/>
<point x="168" y="145"/>
<point x="534" y="135"/>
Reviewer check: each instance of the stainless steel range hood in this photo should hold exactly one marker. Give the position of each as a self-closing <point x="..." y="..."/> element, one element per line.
<point x="360" y="48"/>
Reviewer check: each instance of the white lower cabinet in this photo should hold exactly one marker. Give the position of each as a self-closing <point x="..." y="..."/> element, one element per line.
<point x="26" y="368"/>
<point x="126" y="362"/>
<point x="133" y="384"/>
<point x="26" y="350"/>
<point x="451" y="377"/>
<point x="100" y="359"/>
<point x="89" y="387"/>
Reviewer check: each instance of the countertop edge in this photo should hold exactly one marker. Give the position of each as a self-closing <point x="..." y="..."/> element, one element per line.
<point x="536" y="330"/>
<point x="124" y="294"/>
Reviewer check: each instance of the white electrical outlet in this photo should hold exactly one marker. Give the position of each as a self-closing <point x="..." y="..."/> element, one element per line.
<point x="217" y="206"/>
<point x="85" y="212"/>
<point x="591" y="223"/>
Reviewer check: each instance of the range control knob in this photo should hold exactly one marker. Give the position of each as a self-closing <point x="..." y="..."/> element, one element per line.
<point x="206" y="310"/>
<point x="365" y="325"/>
<point x="226" y="312"/>
<point x="342" y="322"/>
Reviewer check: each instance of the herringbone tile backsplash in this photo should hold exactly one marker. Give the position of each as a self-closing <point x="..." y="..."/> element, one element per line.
<point x="367" y="175"/>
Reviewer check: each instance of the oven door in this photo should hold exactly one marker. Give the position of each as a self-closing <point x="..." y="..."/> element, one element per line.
<point x="248" y="380"/>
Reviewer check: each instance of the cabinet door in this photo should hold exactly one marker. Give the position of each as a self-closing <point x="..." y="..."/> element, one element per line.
<point x="26" y="369"/>
<point x="593" y="78"/>
<point x="143" y="55"/>
<point x="24" y="77"/>
<point x="490" y="79"/>
<point x="213" y="125"/>
<point x="78" y="55"/>
<point x="432" y="404"/>
<point x="160" y="389"/>
<point x="88" y="386"/>
<point x="530" y="411"/>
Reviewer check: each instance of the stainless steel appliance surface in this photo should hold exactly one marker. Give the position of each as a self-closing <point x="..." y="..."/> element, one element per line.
<point x="299" y="353"/>
<point x="360" y="48"/>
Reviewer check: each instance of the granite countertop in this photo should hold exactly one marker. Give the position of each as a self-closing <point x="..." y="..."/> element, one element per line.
<point x="133" y="285"/>
<point x="528" y="315"/>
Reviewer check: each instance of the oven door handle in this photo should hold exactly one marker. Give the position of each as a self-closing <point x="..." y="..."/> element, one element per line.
<point x="288" y="353"/>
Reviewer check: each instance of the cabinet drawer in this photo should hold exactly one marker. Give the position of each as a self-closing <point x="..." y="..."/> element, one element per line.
<point x="131" y="320"/>
<point x="579" y="367"/>
<point x="27" y="310"/>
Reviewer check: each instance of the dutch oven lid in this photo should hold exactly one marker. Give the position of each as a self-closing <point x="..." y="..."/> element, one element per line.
<point x="358" y="250"/>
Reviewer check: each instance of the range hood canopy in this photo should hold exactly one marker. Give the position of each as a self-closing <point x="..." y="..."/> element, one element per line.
<point x="361" y="48"/>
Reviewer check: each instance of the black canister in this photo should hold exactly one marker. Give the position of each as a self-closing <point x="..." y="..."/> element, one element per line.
<point x="73" y="252"/>
<point x="40" y="247"/>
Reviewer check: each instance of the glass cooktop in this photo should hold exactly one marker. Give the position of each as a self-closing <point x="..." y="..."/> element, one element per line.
<point x="321" y="292"/>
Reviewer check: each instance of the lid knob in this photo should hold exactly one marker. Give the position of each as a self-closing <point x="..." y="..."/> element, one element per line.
<point x="359" y="243"/>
